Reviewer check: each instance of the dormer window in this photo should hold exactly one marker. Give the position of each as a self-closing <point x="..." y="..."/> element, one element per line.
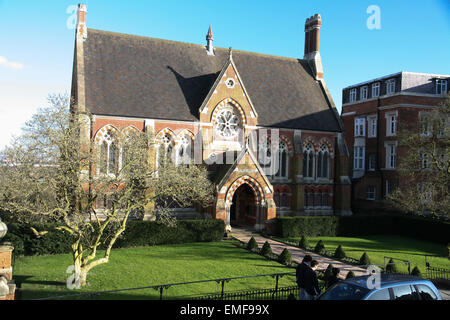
<point x="352" y="95"/>
<point x="364" y="92"/>
<point x="375" y="89"/>
<point x="441" y="86"/>
<point x="390" y="86"/>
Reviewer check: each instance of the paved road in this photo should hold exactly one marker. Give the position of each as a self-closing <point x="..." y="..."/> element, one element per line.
<point x="445" y="294"/>
<point x="297" y="254"/>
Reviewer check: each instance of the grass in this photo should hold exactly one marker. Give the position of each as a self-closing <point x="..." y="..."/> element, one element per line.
<point x="377" y="247"/>
<point x="45" y="276"/>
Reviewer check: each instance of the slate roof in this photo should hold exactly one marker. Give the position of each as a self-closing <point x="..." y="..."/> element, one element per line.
<point x="143" y="77"/>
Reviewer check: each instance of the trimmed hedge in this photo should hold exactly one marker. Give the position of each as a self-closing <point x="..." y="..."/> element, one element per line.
<point x="351" y="226"/>
<point x="138" y="233"/>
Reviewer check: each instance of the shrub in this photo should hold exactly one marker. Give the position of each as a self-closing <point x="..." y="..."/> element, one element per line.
<point x="416" y="272"/>
<point x="391" y="267"/>
<point x="447" y="251"/>
<point x="328" y="273"/>
<point x="266" y="249"/>
<point x="364" y="260"/>
<point x="252" y="244"/>
<point x="319" y="247"/>
<point x="339" y="253"/>
<point x="285" y="257"/>
<point x="303" y="243"/>
<point x="350" y="274"/>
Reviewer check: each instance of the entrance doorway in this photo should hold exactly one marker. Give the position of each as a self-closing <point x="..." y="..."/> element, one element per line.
<point x="243" y="208"/>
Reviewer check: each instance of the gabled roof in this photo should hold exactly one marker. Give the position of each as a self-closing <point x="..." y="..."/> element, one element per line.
<point x="133" y="76"/>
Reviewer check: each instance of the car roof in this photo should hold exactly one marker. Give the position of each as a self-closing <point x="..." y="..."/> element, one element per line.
<point x="386" y="280"/>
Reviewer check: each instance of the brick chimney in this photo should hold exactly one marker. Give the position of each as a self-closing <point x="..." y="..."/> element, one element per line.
<point x="312" y="44"/>
<point x="81" y="22"/>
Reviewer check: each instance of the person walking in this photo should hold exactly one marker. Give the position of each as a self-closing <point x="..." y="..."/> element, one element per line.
<point x="303" y="277"/>
<point x="313" y="288"/>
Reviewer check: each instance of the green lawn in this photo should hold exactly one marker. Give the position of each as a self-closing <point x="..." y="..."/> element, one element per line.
<point x="377" y="247"/>
<point x="45" y="276"/>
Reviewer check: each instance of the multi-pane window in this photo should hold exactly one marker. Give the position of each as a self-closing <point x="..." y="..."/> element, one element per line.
<point x="283" y="160"/>
<point x="424" y="160"/>
<point x="371" y="193"/>
<point x="185" y="152"/>
<point x="391" y="125"/>
<point x="358" y="158"/>
<point x="109" y="155"/>
<point x="372" y="126"/>
<point x="390" y="86"/>
<point x="308" y="161"/>
<point x="375" y="89"/>
<point x="391" y="155"/>
<point x="364" y="91"/>
<point x="425" y="125"/>
<point x="352" y="95"/>
<point x="441" y="86"/>
<point x="360" y="127"/>
<point x="372" y="161"/>
<point x="322" y="162"/>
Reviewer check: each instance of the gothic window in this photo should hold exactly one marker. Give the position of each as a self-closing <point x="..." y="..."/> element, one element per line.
<point x="109" y="154"/>
<point x="308" y="161"/>
<point x="185" y="152"/>
<point x="228" y="122"/>
<point x="276" y="198"/>
<point x="165" y="148"/>
<point x="285" y="200"/>
<point x="322" y="162"/>
<point x="318" y="199"/>
<point x="265" y="155"/>
<point x="283" y="160"/>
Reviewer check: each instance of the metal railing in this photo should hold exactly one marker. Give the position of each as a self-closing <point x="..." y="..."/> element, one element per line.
<point x="275" y="293"/>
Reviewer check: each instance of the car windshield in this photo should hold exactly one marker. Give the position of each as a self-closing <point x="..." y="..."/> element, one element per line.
<point x="344" y="291"/>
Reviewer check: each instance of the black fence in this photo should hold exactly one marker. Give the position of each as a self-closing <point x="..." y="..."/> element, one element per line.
<point x="283" y="293"/>
<point x="434" y="273"/>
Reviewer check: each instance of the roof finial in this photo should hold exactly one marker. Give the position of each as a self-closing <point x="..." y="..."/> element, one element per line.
<point x="209" y="41"/>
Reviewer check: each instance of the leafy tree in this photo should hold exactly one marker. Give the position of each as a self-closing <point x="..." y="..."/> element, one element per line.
<point x="266" y="249"/>
<point x="285" y="257"/>
<point x="51" y="174"/>
<point x="339" y="253"/>
<point x="303" y="243"/>
<point x="252" y="244"/>
<point x="424" y="166"/>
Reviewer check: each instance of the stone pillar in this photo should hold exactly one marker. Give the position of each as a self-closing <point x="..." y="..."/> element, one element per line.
<point x="7" y="286"/>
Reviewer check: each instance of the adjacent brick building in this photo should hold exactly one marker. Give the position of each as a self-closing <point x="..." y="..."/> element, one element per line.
<point x="188" y="95"/>
<point x="373" y="112"/>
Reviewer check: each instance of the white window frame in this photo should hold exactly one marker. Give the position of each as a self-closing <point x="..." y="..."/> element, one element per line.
<point x="352" y="95"/>
<point x="375" y="90"/>
<point x="391" y="154"/>
<point x="390" y="86"/>
<point x="391" y="123"/>
<point x="359" y="157"/>
<point x="425" y="160"/>
<point x="372" y="126"/>
<point x="371" y="193"/>
<point x="441" y="86"/>
<point x="425" y="125"/>
<point x="364" y="92"/>
<point x="360" y="123"/>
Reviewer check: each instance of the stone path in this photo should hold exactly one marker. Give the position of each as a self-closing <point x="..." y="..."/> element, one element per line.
<point x="297" y="254"/>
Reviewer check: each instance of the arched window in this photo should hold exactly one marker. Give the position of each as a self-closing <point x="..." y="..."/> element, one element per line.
<point x="265" y="157"/>
<point x="165" y="148"/>
<point x="322" y="162"/>
<point x="276" y="198"/>
<point x="228" y="122"/>
<point x="185" y="150"/>
<point x="283" y="158"/>
<point x="109" y="154"/>
<point x="318" y="199"/>
<point x="308" y="161"/>
<point x="285" y="200"/>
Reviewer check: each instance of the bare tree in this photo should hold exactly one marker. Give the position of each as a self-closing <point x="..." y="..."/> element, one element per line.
<point x="425" y="168"/>
<point x="49" y="175"/>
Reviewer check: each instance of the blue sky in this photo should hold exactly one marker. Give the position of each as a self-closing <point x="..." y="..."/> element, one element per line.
<point x="36" y="44"/>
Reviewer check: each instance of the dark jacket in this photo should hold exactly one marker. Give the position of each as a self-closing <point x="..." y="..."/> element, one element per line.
<point x="332" y="280"/>
<point x="307" y="279"/>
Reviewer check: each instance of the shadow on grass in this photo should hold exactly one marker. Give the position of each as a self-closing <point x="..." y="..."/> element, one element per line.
<point x="19" y="280"/>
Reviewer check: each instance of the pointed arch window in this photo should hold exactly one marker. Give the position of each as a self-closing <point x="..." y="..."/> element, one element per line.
<point x="165" y="148"/>
<point x="323" y="162"/>
<point x="283" y="158"/>
<point x="308" y="161"/>
<point x="184" y="151"/>
<point x="265" y="157"/>
<point x="109" y="154"/>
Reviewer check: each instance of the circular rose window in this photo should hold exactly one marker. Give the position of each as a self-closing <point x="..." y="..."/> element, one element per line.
<point x="228" y="123"/>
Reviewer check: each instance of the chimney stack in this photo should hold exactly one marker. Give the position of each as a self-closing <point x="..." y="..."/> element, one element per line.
<point x="209" y="41"/>
<point x="81" y="22"/>
<point x="312" y="44"/>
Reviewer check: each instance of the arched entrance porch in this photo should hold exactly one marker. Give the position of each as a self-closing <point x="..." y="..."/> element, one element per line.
<point x="244" y="207"/>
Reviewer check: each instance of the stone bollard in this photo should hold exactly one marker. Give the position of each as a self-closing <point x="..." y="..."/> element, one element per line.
<point x="7" y="286"/>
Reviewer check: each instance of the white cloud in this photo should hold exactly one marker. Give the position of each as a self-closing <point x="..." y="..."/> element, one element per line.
<point x="9" y="64"/>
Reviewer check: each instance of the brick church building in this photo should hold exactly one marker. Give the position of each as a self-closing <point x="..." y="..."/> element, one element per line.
<point x="236" y="107"/>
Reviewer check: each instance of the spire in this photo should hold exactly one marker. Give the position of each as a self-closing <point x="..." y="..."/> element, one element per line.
<point x="209" y="41"/>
